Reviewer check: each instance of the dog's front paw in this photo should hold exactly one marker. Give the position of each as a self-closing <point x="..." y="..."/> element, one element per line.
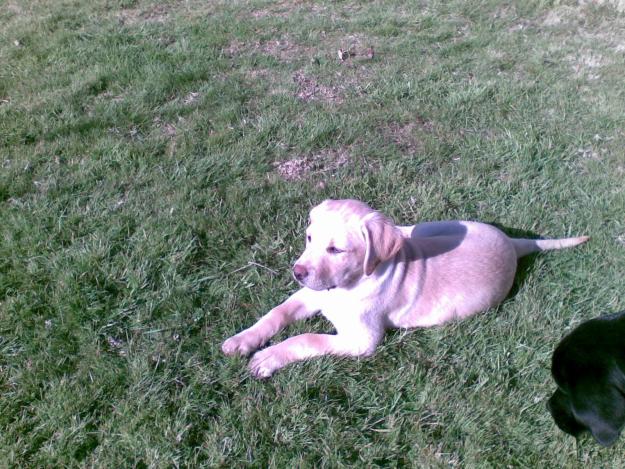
<point x="243" y="343"/>
<point x="264" y="363"/>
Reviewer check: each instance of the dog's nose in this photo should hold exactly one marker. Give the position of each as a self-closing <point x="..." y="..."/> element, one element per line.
<point x="299" y="272"/>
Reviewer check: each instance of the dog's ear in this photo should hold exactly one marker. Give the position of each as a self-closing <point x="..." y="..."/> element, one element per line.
<point x="604" y="431"/>
<point x="603" y="414"/>
<point x="559" y="407"/>
<point x="382" y="240"/>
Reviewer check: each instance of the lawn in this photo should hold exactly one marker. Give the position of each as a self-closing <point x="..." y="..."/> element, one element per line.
<point x="158" y="160"/>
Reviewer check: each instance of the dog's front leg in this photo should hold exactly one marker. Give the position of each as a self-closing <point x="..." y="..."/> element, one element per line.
<point x="298" y="306"/>
<point x="265" y="362"/>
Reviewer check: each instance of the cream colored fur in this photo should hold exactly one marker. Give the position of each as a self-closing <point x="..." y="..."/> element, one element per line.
<point x="365" y="275"/>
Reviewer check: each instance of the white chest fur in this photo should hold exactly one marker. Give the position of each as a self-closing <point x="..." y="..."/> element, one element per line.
<point x="352" y="314"/>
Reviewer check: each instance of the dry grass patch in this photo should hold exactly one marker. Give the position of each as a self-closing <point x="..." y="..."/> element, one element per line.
<point x="355" y="46"/>
<point x="563" y="14"/>
<point x="618" y="5"/>
<point x="324" y="162"/>
<point x="283" y="49"/>
<point x="309" y="89"/>
<point x="235" y="48"/>
<point x="191" y="98"/>
<point x="286" y="8"/>
<point x="110" y="96"/>
<point x="587" y="64"/>
<point x="349" y="49"/>
<point x="258" y="73"/>
<point x="154" y="14"/>
<point x="406" y="136"/>
<point x="168" y="129"/>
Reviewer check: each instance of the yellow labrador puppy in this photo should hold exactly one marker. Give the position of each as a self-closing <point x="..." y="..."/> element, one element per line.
<point x="365" y="274"/>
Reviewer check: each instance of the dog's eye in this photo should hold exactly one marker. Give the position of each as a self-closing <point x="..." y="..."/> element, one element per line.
<point x="333" y="250"/>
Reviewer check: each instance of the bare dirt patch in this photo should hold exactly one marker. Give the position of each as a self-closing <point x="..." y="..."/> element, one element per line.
<point x="191" y="98"/>
<point x="108" y="95"/>
<point x="155" y="14"/>
<point x="406" y="136"/>
<point x="562" y="15"/>
<point x="284" y="49"/>
<point x="168" y="129"/>
<point x="348" y="49"/>
<point x="286" y="8"/>
<point x="618" y="5"/>
<point x="324" y="162"/>
<point x="309" y="89"/>
<point x="235" y="48"/>
<point x="355" y="46"/>
<point x="587" y="64"/>
<point x="258" y="73"/>
<point x="14" y="8"/>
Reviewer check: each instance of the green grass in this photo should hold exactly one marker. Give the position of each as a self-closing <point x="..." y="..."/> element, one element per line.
<point x="146" y="216"/>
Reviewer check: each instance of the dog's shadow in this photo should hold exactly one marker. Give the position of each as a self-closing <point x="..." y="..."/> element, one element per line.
<point x="444" y="236"/>
<point x="525" y="264"/>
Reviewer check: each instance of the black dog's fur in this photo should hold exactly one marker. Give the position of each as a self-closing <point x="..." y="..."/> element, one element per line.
<point x="589" y="368"/>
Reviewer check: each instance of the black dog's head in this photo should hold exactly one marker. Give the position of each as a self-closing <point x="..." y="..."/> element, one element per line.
<point x="589" y="367"/>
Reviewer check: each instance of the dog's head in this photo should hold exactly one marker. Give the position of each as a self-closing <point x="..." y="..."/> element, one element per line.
<point x="345" y="240"/>
<point x="588" y="366"/>
<point x="600" y="411"/>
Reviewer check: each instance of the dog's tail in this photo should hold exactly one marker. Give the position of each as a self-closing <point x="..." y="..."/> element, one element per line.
<point x="524" y="247"/>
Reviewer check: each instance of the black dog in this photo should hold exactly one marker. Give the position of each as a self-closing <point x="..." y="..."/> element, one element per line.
<point x="589" y="368"/>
